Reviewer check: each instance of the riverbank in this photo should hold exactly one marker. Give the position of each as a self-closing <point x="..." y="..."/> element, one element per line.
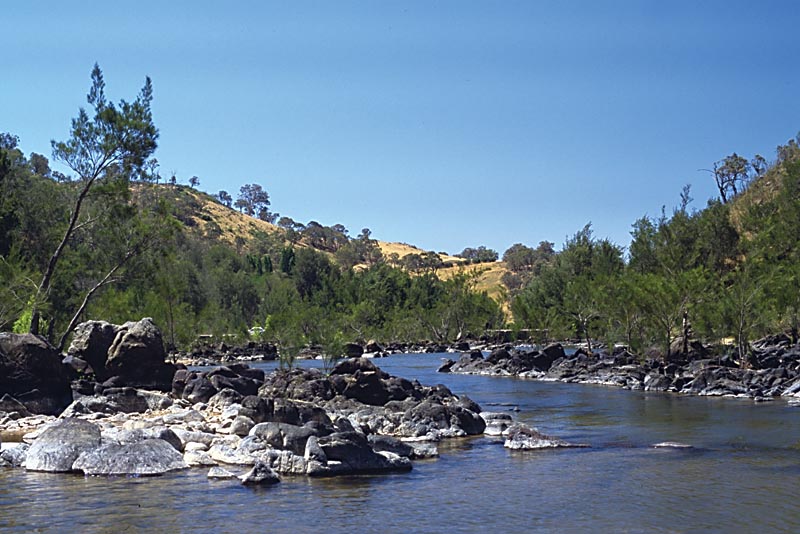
<point x="772" y="369"/>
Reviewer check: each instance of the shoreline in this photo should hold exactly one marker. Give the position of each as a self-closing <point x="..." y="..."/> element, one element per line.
<point x="774" y="371"/>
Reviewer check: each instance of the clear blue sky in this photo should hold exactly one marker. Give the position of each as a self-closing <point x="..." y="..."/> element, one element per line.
<point x="442" y="124"/>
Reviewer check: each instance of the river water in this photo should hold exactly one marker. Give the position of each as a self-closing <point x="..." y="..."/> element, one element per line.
<point x="740" y="476"/>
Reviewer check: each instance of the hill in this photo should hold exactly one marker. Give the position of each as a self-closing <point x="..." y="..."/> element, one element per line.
<point x="206" y="218"/>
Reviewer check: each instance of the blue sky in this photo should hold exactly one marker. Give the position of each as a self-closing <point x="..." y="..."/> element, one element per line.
<point x="441" y="124"/>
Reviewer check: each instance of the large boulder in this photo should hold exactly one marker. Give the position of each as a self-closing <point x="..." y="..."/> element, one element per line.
<point x="283" y="436"/>
<point x="137" y="356"/>
<point x="145" y="457"/>
<point x="131" y="354"/>
<point x="57" y="447"/>
<point x="444" y="420"/>
<point x="90" y="342"/>
<point x="350" y="452"/>
<point x="31" y="371"/>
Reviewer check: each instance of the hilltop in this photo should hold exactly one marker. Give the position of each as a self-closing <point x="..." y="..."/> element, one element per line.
<point x="205" y="218"/>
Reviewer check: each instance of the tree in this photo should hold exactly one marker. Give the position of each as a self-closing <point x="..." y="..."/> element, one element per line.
<point x="119" y="139"/>
<point x="224" y="198"/>
<point x="252" y="199"/>
<point x="732" y="174"/>
<point x="478" y="255"/>
<point x="40" y="165"/>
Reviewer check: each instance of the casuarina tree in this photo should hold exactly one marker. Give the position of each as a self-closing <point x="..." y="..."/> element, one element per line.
<point x="116" y="141"/>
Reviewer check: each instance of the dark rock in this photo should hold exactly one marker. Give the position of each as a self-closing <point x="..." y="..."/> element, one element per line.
<point x="351" y="365"/>
<point x="137" y="356"/>
<point x="260" y="475"/>
<point x="498" y="355"/>
<point x="368" y="388"/>
<point x="199" y="389"/>
<point x="12" y="407"/>
<point x="257" y="408"/>
<point x="429" y="415"/>
<point x="446" y="366"/>
<point x="553" y="352"/>
<point x="57" y="447"/>
<point x="469" y="404"/>
<point x="90" y="342"/>
<point x="657" y="382"/>
<point x="224" y="398"/>
<point x="353" y="350"/>
<point x="179" y="381"/>
<point x="353" y="452"/>
<point x="390" y="444"/>
<point x="372" y="346"/>
<point x="243" y="386"/>
<point x="283" y="436"/>
<point x="145" y="457"/>
<point x="31" y="371"/>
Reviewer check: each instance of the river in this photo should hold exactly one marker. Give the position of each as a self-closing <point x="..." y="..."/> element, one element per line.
<point x="740" y="476"/>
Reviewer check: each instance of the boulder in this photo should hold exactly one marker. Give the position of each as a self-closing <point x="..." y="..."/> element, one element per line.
<point x="131" y="354"/>
<point x="198" y="389"/>
<point x="14" y="456"/>
<point x="446" y="366"/>
<point x="283" y="436"/>
<point x="523" y="437"/>
<point x="220" y="473"/>
<point x="90" y="342"/>
<point x="123" y="435"/>
<point x="448" y="421"/>
<point x="261" y="475"/>
<point x="351" y="365"/>
<point x="31" y="371"/>
<point x="13" y="408"/>
<point x="57" y="447"/>
<point x="137" y="356"/>
<point x="142" y="458"/>
<point x="350" y="452"/>
<point x="353" y="350"/>
<point x="224" y="398"/>
<point x="390" y="444"/>
<point x="497" y="424"/>
<point x="368" y="388"/>
<point x="553" y="352"/>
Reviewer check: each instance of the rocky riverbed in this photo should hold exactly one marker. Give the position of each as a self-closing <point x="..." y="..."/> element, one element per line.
<point x="125" y="418"/>
<point x="772" y="369"/>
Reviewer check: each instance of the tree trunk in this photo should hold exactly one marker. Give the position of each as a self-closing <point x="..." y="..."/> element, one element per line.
<point x="44" y="286"/>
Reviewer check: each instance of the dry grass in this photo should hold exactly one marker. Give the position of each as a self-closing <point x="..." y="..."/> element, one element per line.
<point x="404" y="249"/>
<point x="490" y="280"/>
<point x="233" y="224"/>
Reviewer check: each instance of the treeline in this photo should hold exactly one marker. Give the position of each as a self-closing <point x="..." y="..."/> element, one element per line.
<point x="281" y="291"/>
<point x="109" y="242"/>
<point x="730" y="271"/>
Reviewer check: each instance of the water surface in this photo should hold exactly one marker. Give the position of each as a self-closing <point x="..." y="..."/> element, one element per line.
<point x="741" y="475"/>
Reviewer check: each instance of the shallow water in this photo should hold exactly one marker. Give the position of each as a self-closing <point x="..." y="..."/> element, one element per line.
<point x="740" y="476"/>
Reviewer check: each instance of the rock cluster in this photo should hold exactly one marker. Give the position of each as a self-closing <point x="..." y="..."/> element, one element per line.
<point x="130" y="355"/>
<point x="772" y="369"/>
<point x="357" y="419"/>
